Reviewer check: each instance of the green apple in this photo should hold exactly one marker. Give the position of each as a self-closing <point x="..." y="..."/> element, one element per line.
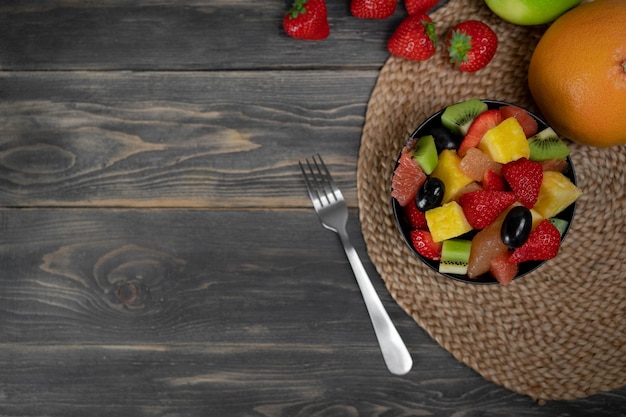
<point x="530" y="12"/>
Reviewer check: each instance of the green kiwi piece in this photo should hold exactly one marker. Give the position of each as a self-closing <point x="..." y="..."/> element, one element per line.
<point x="560" y="224"/>
<point x="547" y="145"/>
<point x="458" y="117"/>
<point x="425" y="154"/>
<point x="455" y="254"/>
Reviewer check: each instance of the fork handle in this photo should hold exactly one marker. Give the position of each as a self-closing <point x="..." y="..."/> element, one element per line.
<point x="395" y="353"/>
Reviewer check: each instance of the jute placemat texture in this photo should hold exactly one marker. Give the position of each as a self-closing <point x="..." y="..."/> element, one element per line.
<point x="557" y="333"/>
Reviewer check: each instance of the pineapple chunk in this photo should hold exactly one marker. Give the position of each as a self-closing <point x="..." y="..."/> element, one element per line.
<point x="506" y="142"/>
<point x="557" y="192"/>
<point x="449" y="172"/>
<point x="447" y="221"/>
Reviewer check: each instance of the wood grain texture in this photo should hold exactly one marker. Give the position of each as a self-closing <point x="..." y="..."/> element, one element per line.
<point x="180" y="35"/>
<point x="176" y="139"/>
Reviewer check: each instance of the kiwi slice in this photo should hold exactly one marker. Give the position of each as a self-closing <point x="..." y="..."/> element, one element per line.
<point x="547" y="145"/>
<point x="560" y="224"/>
<point x="458" y="117"/>
<point x="425" y="154"/>
<point x="455" y="254"/>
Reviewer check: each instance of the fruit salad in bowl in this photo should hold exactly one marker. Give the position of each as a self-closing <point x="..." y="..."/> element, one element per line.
<point x="484" y="192"/>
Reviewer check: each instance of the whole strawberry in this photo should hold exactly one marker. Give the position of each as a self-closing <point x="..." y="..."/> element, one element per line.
<point x="419" y="6"/>
<point x="471" y="45"/>
<point x="524" y="177"/>
<point x="307" y="19"/>
<point x="542" y="244"/>
<point x="373" y="9"/>
<point x="414" y="39"/>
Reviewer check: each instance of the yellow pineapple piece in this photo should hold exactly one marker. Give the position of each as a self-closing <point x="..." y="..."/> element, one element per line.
<point x="447" y="221"/>
<point x="449" y="172"/>
<point x="506" y="142"/>
<point x="557" y="192"/>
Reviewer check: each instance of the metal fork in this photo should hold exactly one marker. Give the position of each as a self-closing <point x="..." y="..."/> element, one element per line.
<point x="332" y="211"/>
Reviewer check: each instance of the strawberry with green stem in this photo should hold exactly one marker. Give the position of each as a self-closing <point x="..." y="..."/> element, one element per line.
<point x="307" y="19"/>
<point x="471" y="45"/>
<point x="414" y="39"/>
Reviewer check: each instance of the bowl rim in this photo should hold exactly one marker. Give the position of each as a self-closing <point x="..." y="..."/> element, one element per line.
<point x="484" y="279"/>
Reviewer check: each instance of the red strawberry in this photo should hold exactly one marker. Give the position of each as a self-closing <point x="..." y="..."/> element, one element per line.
<point x="528" y="123"/>
<point x="482" y="207"/>
<point x="503" y="270"/>
<point x="542" y="244"/>
<point x="493" y="181"/>
<point x="414" y="39"/>
<point x="525" y="178"/>
<point x="407" y="180"/>
<point x="485" y="121"/>
<point x="373" y="9"/>
<point x="416" y="218"/>
<point x="425" y="245"/>
<point x="471" y="45"/>
<point x="307" y="19"/>
<point x="419" y="6"/>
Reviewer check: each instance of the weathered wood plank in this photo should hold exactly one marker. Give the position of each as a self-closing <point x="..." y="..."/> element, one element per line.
<point x="246" y="380"/>
<point x="164" y="276"/>
<point x="180" y="35"/>
<point x="218" y="139"/>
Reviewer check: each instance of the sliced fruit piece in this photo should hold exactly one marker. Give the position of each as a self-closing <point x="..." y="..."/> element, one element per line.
<point x="425" y="153"/>
<point x="493" y="181"/>
<point x="407" y="179"/>
<point x="525" y="178"/>
<point x="485" y="121"/>
<point x="542" y="244"/>
<point x="455" y="255"/>
<point x="448" y="171"/>
<point x="415" y="218"/>
<point x="481" y="208"/>
<point x="425" y="245"/>
<point x="556" y="193"/>
<point x="505" y="142"/>
<point x="528" y="123"/>
<point x="447" y="221"/>
<point x="458" y="117"/>
<point x="560" y="224"/>
<point x="503" y="270"/>
<point x="475" y="163"/>
<point x="486" y="245"/>
<point x="469" y="188"/>
<point x="559" y="165"/>
<point x="547" y="145"/>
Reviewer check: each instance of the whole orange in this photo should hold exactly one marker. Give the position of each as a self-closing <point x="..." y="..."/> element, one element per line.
<point x="577" y="74"/>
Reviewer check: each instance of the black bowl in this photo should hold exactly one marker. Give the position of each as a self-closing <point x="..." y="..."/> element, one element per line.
<point x="405" y="229"/>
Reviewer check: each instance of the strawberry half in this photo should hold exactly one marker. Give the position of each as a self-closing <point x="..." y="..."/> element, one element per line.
<point x="542" y="244"/>
<point x="425" y="245"/>
<point x="471" y="45"/>
<point x="525" y="178"/>
<point x="415" y="218"/>
<point x="485" y="121"/>
<point x="493" y="181"/>
<point x="373" y="9"/>
<point x="482" y="207"/>
<point x="414" y="39"/>
<point x="307" y="19"/>
<point x="419" y="6"/>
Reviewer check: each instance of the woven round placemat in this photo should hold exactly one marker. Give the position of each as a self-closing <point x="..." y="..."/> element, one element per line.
<point x="557" y="333"/>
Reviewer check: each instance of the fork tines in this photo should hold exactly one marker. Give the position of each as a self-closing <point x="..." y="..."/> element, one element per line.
<point x="319" y="182"/>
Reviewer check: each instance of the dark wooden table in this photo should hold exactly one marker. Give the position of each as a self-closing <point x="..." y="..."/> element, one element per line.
<point x="159" y="255"/>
